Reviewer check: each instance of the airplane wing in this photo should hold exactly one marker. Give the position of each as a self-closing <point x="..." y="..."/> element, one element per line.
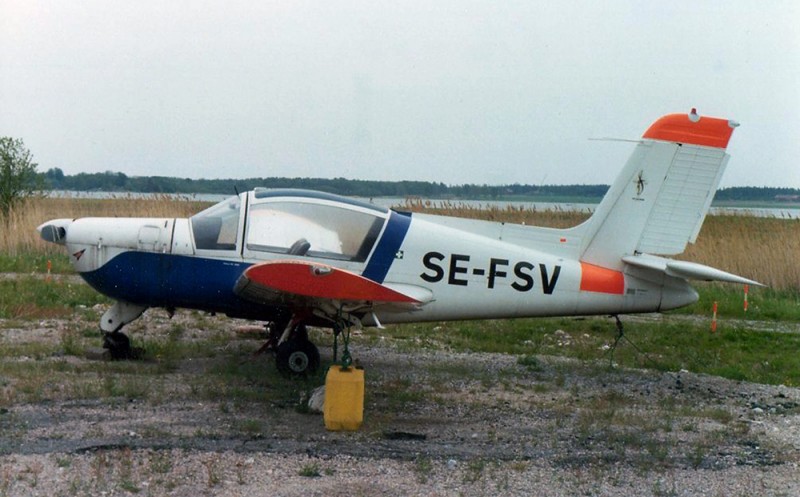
<point x="315" y="285"/>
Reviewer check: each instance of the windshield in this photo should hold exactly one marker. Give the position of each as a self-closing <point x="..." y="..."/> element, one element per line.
<point x="216" y="228"/>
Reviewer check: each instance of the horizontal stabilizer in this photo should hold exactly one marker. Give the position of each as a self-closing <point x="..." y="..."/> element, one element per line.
<point x="684" y="269"/>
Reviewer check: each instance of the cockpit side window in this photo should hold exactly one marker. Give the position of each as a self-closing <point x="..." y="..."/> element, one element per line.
<point x="312" y="229"/>
<point x="217" y="227"/>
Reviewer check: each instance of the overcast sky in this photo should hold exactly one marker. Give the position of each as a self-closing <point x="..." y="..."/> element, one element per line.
<point x="450" y="90"/>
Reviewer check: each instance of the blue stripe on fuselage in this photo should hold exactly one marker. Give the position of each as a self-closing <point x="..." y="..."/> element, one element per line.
<point x="386" y="251"/>
<point x="165" y="280"/>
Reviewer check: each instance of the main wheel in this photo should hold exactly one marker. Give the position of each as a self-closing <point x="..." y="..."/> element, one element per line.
<point x="297" y="358"/>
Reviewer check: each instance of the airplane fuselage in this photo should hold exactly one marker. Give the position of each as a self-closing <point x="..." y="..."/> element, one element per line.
<point x="160" y="263"/>
<point x="295" y="257"/>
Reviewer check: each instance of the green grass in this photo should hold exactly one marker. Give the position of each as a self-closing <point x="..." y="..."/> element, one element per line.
<point x="735" y="351"/>
<point x="763" y="303"/>
<point x="30" y="297"/>
<point x="310" y="470"/>
<point x="35" y="263"/>
<point x="37" y="370"/>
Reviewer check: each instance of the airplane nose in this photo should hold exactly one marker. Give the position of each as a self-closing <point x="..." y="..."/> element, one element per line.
<point x="54" y="231"/>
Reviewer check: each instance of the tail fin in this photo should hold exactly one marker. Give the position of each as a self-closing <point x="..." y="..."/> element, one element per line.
<point x="659" y="201"/>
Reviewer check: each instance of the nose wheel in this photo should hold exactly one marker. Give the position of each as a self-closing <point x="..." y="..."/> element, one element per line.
<point x="117" y="316"/>
<point x="118" y="345"/>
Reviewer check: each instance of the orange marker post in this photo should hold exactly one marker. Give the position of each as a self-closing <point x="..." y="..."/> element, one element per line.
<point x="714" y="319"/>
<point x="49" y="268"/>
<point x="746" y="289"/>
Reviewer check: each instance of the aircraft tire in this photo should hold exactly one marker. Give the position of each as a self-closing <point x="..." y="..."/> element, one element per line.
<point x="297" y="358"/>
<point x="118" y="345"/>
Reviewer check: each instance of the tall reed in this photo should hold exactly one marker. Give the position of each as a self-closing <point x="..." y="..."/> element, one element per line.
<point x="764" y="249"/>
<point x="19" y="229"/>
<point x="517" y="214"/>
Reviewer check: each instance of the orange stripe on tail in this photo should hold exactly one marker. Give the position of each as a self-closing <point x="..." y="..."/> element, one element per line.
<point x="692" y="129"/>
<point x="602" y="280"/>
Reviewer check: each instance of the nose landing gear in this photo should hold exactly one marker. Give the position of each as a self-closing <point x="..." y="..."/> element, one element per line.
<point x="118" y="345"/>
<point x="117" y="316"/>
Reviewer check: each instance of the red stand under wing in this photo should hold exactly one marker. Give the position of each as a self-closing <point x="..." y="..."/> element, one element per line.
<point x="315" y="280"/>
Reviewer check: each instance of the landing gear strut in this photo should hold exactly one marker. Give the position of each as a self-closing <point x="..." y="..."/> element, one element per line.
<point x="117" y="316"/>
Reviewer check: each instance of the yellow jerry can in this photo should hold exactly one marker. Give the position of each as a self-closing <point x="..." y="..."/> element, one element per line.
<point x="344" y="398"/>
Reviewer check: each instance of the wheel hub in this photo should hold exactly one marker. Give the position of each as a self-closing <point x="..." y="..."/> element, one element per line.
<point x="298" y="361"/>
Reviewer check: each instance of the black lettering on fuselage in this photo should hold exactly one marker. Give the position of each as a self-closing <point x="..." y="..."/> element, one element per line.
<point x="455" y="269"/>
<point x="549" y="284"/>
<point x="428" y="261"/>
<point x="521" y="278"/>
<point x="493" y="272"/>
<point x="521" y="271"/>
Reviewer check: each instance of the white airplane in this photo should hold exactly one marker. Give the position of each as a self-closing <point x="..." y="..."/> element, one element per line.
<point x="296" y="258"/>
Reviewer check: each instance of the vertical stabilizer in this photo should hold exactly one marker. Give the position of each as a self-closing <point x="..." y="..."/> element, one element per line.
<point x="658" y="203"/>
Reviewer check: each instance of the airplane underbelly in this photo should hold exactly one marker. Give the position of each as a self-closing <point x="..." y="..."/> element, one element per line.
<point x="164" y="280"/>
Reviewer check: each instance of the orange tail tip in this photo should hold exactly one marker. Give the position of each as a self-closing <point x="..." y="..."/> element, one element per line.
<point x="692" y="129"/>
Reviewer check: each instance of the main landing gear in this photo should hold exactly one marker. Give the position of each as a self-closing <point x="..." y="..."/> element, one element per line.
<point x="295" y="354"/>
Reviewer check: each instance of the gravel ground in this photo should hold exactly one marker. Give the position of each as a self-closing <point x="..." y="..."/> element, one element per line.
<point x="436" y="423"/>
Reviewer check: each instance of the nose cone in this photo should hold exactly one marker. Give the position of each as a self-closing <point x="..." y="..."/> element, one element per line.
<point x="54" y="231"/>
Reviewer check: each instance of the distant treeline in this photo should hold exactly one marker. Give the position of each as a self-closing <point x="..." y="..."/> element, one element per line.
<point x="119" y="182"/>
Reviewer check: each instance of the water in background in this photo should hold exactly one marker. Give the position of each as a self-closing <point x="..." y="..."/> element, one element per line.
<point x="780" y="212"/>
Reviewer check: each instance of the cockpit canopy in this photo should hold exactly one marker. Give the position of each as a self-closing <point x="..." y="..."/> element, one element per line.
<point x="293" y="222"/>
